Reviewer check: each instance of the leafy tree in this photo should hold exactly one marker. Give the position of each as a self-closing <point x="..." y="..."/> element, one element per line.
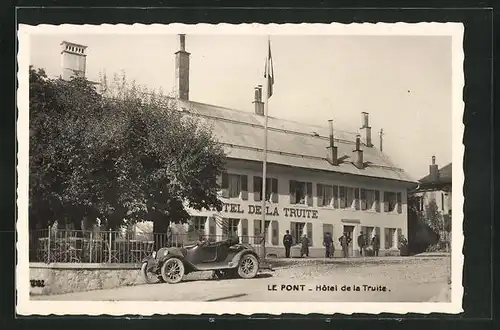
<point x="420" y="234"/>
<point x="118" y="154"/>
<point x="433" y="217"/>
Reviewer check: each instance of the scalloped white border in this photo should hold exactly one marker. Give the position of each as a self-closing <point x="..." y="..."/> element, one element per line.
<point x="25" y="306"/>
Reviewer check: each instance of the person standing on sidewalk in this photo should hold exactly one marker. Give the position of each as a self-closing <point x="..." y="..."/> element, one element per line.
<point x="361" y="244"/>
<point x="375" y="245"/>
<point x="344" y="243"/>
<point x="328" y="243"/>
<point x="287" y="242"/>
<point x="305" y="246"/>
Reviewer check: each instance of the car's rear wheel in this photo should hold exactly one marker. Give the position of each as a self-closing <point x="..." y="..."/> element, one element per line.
<point x="149" y="277"/>
<point x="172" y="270"/>
<point x="248" y="267"/>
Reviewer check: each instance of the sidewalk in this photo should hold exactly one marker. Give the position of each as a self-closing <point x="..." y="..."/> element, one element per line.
<point x="353" y="261"/>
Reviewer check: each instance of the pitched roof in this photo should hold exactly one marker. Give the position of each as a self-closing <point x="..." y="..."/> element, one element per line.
<point x="444" y="175"/>
<point x="289" y="143"/>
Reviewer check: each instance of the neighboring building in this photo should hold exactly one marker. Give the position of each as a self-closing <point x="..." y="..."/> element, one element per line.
<point x="319" y="179"/>
<point x="437" y="186"/>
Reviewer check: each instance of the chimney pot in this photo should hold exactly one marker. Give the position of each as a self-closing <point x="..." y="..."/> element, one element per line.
<point x="433" y="170"/>
<point x="332" y="149"/>
<point x="182" y="38"/>
<point x="359" y="153"/>
<point x="259" y="105"/>
<point x="367" y="129"/>
<point x="381" y="138"/>
<point x="364" y="120"/>
<point x="182" y="70"/>
<point x="73" y="60"/>
<point x="256" y="97"/>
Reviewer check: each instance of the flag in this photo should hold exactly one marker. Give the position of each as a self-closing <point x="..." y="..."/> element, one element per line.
<point x="269" y="72"/>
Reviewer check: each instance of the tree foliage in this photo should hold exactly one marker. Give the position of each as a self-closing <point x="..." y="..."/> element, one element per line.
<point x="433" y="217"/>
<point x="120" y="154"/>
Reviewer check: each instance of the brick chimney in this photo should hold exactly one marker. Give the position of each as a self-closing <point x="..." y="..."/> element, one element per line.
<point x="182" y="70"/>
<point x="433" y="170"/>
<point x="358" y="162"/>
<point x="73" y="60"/>
<point x="367" y="129"/>
<point x="332" y="149"/>
<point x="258" y="104"/>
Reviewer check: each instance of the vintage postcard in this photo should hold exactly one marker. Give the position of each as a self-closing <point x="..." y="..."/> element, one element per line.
<point x="240" y="169"/>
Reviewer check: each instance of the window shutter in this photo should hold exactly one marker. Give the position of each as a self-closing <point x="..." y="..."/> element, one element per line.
<point x="399" y="202"/>
<point x="244" y="230"/>
<point x="377" y="201"/>
<point x="275" y="232"/>
<point x="275" y="194"/>
<point x="244" y="187"/>
<point x="386" y="202"/>
<point x="225" y="185"/>
<point x="309" y="194"/>
<point x="292" y="232"/>
<point x="256" y="229"/>
<point x="292" y="192"/>
<point x="310" y="233"/>
<point x="319" y="194"/>
<point x="257" y="188"/>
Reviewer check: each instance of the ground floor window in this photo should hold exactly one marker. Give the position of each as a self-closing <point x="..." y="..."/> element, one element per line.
<point x="197" y="224"/>
<point x="230" y="229"/>
<point x="390" y="238"/>
<point x="298" y="229"/>
<point x="257" y="231"/>
<point x="390" y="201"/>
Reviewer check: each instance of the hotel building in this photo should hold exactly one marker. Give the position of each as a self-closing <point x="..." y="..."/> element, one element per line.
<point x="319" y="178"/>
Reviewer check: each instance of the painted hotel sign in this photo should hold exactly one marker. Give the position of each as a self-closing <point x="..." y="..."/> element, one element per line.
<point x="288" y="212"/>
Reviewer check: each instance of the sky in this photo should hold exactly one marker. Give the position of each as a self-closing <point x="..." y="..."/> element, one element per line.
<point x="403" y="82"/>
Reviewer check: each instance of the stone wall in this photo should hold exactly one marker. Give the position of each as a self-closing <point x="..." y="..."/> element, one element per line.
<point x="64" y="278"/>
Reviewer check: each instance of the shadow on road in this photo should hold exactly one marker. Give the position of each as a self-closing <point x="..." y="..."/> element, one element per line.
<point x="258" y="276"/>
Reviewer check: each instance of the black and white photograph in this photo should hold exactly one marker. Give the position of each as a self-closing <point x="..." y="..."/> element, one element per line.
<point x="188" y="169"/>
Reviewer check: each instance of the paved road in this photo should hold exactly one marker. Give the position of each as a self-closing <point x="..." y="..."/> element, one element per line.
<point x="408" y="281"/>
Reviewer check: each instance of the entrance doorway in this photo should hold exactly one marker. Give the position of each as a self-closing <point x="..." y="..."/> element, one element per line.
<point x="349" y="230"/>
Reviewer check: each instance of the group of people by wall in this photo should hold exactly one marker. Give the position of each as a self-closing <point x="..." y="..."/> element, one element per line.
<point x="345" y="240"/>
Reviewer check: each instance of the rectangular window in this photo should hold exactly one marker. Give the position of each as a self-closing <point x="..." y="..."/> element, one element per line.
<point x="230" y="228"/>
<point x="390" y="238"/>
<point x="336" y="197"/>
<point x="234" y="186"/>
<point x="350" y="197"/>
<point x="363" y="199"/>
<point x="271" y="189"/>
<point x="297" y="230"/>
<point x="197" y="224"/>
<point x="377" y="200"/>
<point x="300" y="192"/>
<point x="390" y="201"/>
<point x="370" y="200"/>
<point x="325" y="195"/>
<point x="342" y="197"/>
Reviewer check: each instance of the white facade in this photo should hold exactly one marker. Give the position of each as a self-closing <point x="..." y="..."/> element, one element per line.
<point x="241" y="207"/>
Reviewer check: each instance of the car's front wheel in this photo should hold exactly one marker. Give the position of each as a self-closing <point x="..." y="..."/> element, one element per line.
<point x="172" y="270"/>
<point x="149" y="277"/>
<point x="248" y="267"/>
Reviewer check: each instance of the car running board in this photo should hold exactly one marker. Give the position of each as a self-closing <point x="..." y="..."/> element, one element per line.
<point x="214" y="266"/>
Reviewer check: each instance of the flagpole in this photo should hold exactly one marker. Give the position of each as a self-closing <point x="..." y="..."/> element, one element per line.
<point x="264" y="163"/>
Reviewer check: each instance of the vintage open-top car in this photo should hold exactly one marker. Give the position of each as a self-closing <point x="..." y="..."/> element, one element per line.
<point x="227" y="259"/>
